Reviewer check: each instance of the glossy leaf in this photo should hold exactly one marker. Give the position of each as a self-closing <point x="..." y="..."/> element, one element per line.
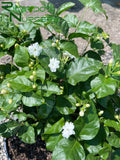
<point x="68" y="149"/>
<point x="112" y="124"/>
<point x="7" y="27"/>
<point x="59" y="24"/>
<point x="45" y="109"/>
<point x="53" y="141"/>
<point x="103" y="86"/>
<point x="82" y="69"/>
<point x="31" y="100"/>
<point x="70" y="47"/>
<point x="20" y="116"/>
<point x="21" y="83"/>
<point x="49" y="6"/>
<point x="86" y="28"/>
<point x="27" y="134"/>
<point x="116" y="154"/>
<point x="64" y="7"/>
<point x="8" y="107"/>
<point x="55" y="128"/>
<point x="114" y="139"/>
<point x="77" y="35"/>
<point x="71" y="19"/>
<point x="116" y="52"/>
<point x="50" y="88"/>
<point x="95" y="5"/>
<point x="66" y="104"/>
<point x="87" y="127"/>
<point x="9" y="128"/>
<point x="21" y="56"/>
<point x="2" y="116"/>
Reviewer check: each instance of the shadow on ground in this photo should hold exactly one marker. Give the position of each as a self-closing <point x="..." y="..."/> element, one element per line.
<point x="78" y="6"/>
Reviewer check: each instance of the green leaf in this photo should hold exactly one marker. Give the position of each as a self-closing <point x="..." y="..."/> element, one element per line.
<point x="92" y="157"/>
<point x="9" y="128"/>
<point x="116" y="155"/>
<point x="40" y="73"/>
<point x="68" y="149"/>
<point x="64" y="7"/>
<point x="2" y="116"/>
<point x="86" y="28"/>
<point x="116" y="52"/>
<point x="103" y="86"/>
<point x="105" y="151"/>
<point x="49" y="6"/>
<point x="95" y="145"/>
<point x="58" y="24"/>
<point x="55" y="128"/>
<point x="21" y="56"/>
<point x="70" y="47"/>
<point x="71" y="19"/>
<point x="114" y="139"/>
<point x="15" y="102"/>
<point x="9" y="42"/>
<point x="53" y="141"/>
<point x="77" y="35"/>
<point x="95" y="5"/>
<point x="27" y="134"/>
<point x="87" y="127"/>
<point x="22" y="84"/>
<point x="97" y="44"/>
<point x="66" y="105"/>
<point x="31" y="100"/>
<point x="82" y="69"/>
<point x="29" y="27"/>
<point x="7" y="27"/>
<point x="50" y="88"/>
<point x="20" y="116"/>
<point x="45" y="109"/>
<point x="112" y="124"/>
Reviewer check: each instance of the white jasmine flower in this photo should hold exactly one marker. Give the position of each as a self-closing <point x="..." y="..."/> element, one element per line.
<point x="66" y="53"/>
<point x="35" y="49"/>
<point x="54" y="64"/>
<point x="68" y="129"/>
<point x="81" y="113"/>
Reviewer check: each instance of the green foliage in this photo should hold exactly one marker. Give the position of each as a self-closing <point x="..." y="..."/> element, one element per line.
<point x="50" y="89"/>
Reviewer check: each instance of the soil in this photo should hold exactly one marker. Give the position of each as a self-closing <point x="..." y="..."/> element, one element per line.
<point x="18" y="150"/>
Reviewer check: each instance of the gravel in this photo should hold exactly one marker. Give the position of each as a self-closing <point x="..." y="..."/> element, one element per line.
<point x="110" y="26"/>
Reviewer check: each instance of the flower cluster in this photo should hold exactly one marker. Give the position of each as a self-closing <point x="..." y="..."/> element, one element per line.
<point x="54" y="64"/>
<point x="35" y="49"/>
<point x="68" y="129"/>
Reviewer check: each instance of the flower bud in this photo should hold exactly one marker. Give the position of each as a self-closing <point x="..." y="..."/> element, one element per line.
<point x="4" y="91"/>
<point x="16" y="45"/>
<point x="34" y="73"/>
<point x="81" y="113"/>
<point x="100" y="113"/>
<point x="53" y="44"/>
<point x="31" y="77"/>
<point x="34" y="86"/>
<point x="8" y="85"/>
<point x="87" y="105"/>
<point x="1" y="77"/>
<point x="116" y="116"/>
<point x="1" y="45"/>
<point x="77" y="104"/>
<point x="10" y="101"/>
<point x="32" y="63"/>
<point x="57" y="41"/>
<point x="111" y="62"/>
